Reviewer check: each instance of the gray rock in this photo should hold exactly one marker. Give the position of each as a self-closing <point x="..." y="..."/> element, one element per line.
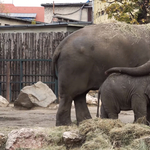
<point x="23" y="100"/>
<point x="73" y="139"/>
<point x="38" y="94"/>
<point x="26" y="138"/>
<point x="3" y="102"/>
<point x="91" y="100"/>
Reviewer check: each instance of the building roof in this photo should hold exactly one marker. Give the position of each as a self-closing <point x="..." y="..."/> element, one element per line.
<point x="32" y="15"/>
<point x="44" y="27"/>
<point x="18" y="19"/>
<point x="77" y="24"/>
<point x="64" y="19"/>
<point x="39" y="11"/>
<point x="65" y="4"/>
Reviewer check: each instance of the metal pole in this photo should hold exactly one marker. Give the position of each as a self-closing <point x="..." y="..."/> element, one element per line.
<point x="56" y="91"/>
<point x="21" y="74"/>
<point x="8" y="82"/>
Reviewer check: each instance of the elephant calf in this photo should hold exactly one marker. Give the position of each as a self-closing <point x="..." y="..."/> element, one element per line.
<point x="124" y="92"/>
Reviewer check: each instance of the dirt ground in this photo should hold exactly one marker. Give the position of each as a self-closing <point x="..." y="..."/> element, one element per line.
<point x="12" y="118"/>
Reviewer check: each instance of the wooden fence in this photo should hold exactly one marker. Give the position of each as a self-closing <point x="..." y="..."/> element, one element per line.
<point x="29" y="45"/>
<point x="25" y="58"/>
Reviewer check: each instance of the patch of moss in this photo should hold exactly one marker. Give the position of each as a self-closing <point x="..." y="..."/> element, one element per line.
<point x="125" y="135"/>
<point x="105" y="125"/>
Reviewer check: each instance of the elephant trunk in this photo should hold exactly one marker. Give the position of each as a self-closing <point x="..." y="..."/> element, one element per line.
<point x="133" y="71"/>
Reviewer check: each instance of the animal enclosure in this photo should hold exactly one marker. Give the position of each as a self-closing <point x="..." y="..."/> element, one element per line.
<point x="25" y="58"/>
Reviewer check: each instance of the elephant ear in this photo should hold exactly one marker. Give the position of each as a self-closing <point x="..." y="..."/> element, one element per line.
<point x="147" y="91"/>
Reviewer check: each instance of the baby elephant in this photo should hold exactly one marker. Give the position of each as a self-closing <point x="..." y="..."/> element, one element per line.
<point x="124" y="92"/>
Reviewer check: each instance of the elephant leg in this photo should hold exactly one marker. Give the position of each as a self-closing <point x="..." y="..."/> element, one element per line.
<point x="148" y="115"/>
<point x="139" y="106"/>
<point x="103" y="112"/>
<point x="82" y="111"/>
<point x="63" y="116"/>
<point x="113" y="115"/>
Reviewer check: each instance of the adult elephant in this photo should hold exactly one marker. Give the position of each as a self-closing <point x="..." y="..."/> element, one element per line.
<point x="83" y="57"/>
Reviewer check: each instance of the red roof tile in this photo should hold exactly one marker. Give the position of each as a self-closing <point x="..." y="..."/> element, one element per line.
<point x="10" y="8"/>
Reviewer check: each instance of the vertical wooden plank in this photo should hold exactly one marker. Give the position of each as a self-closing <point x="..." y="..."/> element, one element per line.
<point x="37" y="53"/>
<point x="41" y="57"/>
<point x="26" y="54"/>
<point x="16" y="70"/>
<point x="14" y="64"/>
<point x="4" y="56"/>
<point x="34" y="57"/>
<point x="31" y="57"/>
<point x="51" y="45"/>
<point x="35" y="44"/>
<point x="40" y="63"/>
<point x="24" y="57"/>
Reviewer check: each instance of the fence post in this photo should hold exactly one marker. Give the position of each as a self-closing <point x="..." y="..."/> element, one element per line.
<point x="56" y="87"/>
<point x="8" y="81"/>
<point x="21" y="74"/>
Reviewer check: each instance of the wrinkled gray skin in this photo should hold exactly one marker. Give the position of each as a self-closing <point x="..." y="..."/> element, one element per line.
<point x="136" y="71"/>
<point x="82" y="58"/>
<point x="124" y="92"/>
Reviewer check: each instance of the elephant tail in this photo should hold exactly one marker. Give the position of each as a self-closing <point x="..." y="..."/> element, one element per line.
<point x="114" y="70"/>
<point x="99" y="93"/>
<point x="133" y="71"/>
<point x="54" y="62"/>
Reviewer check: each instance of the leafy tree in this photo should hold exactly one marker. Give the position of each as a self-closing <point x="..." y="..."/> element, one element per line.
<point x="130" y="11"/>
<point x="2" y="7"/>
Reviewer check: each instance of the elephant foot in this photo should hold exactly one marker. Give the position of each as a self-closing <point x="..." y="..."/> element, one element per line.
<point x="63" y="116"/>
<point x="63" y="120"/>
<point x="80" y="119"/>
<point x="68" y="122"/>
<point x="82" y="111"/>
<point x="63" y="123"/>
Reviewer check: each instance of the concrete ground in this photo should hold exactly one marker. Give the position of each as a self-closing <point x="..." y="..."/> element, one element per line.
<point x="12" y="118"/>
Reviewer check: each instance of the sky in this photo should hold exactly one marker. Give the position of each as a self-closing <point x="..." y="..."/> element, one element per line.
<point x="38" y="2"/>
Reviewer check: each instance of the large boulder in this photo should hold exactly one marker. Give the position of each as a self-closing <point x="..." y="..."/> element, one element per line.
<point x="90" y="100"/>
<point x="26" y="138"/>
<point x="3" y="102"/>
<point x="38" y="94"/>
